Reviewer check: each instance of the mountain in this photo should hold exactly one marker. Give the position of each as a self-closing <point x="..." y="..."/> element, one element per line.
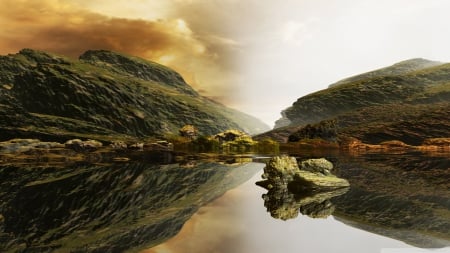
<point x="403" y="103"/>
<point x="103" y="95"/>
<point x="399" y="68"/>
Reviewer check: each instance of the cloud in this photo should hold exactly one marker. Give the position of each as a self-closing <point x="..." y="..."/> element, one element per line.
<point x="53" y="27"/>
<point x="292" y="32"/>
<point x="67" y="28"/>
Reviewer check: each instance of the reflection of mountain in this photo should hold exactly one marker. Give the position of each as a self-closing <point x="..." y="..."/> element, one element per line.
<point x="108" y="208"/>
<point x="405" y="197"/>
<point x="402" y="196"/>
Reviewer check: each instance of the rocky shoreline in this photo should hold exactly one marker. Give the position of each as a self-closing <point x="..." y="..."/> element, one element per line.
<point x="75" y="150"/>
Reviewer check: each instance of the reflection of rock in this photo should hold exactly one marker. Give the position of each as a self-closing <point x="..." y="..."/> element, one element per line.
<point x="292" y="189"/>
<point x="285" y="205"/>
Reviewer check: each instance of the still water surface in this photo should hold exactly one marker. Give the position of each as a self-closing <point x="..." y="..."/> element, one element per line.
<point x="237" y="222"/>
<point x="172" y="205"/>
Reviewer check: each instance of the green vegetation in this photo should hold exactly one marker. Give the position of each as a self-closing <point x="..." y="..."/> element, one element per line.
<point x="396" y="69"/>
<point x="229" y="141"/>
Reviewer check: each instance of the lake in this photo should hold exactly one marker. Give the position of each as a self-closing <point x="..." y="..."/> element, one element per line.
<point x="170" y="203"/>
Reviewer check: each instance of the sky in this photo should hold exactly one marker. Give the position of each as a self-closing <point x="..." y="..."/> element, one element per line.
<point x="258" y="56"/>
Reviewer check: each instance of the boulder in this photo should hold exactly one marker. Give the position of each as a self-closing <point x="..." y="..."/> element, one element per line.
<point x="79" y="145"/>
<point x="280" y="170"/>
<point x="321" y="165"/>
<point x="307" y="188"/>
<point x="25" y="145"/>
<point x="312" y="175"/>
<point x="137" y="146"/>
<point x="189" y="131"/>
<point x="119" y="145"/>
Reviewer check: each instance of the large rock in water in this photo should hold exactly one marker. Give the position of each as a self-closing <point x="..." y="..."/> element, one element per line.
<point x="314" y="175"/>
<point x="307" y="189"/>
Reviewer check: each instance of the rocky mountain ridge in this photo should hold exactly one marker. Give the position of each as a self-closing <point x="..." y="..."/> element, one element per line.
<point x="103" y="95"/>
<point x="407" y="101"/>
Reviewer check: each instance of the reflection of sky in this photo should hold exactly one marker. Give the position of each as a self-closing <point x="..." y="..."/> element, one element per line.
<point x="238" y="222"/>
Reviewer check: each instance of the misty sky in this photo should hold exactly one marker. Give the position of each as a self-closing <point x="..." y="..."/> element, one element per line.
<point x="258" y="56"/>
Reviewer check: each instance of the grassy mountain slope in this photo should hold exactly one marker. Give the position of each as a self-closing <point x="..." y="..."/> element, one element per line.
<point x="399" y="68"/>
<point x="409" y="106"/>
<point x="103" y="94"/>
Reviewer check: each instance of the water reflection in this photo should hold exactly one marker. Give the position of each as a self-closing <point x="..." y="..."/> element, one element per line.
<point x="283" y="204"/>
<point x="132" y="206"/>
<point x="85" y="207"/>
<point x="403" y="196"/>
<point x="400" y="196"/>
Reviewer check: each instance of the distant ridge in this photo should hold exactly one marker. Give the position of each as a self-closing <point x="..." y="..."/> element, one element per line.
<point x="402" y="67"/>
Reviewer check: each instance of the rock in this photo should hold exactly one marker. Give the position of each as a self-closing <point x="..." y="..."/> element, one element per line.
<point x="307" y="188"/>
<point x="280" y="170"/>
<point x="92" y="145"/>
<point x="24" y="145"/>
<point x="283" y="171"/>
<point x="79" y="145"/>
<point x="321" y="165"/>
<point x="118" y="145"/>
<point x="159" y="145"/>
<point x="137" y="146"/>
<point x="189" y="131"/>
<point x="309" y="181"/>
<point x="230" y="135"/>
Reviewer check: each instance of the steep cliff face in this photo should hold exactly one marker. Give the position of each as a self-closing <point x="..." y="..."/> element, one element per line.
<point x="101" y="95"/>
<point x="381" y="98"/>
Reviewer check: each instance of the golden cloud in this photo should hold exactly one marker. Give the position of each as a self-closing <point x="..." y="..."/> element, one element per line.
<point x="65" y="28"/>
